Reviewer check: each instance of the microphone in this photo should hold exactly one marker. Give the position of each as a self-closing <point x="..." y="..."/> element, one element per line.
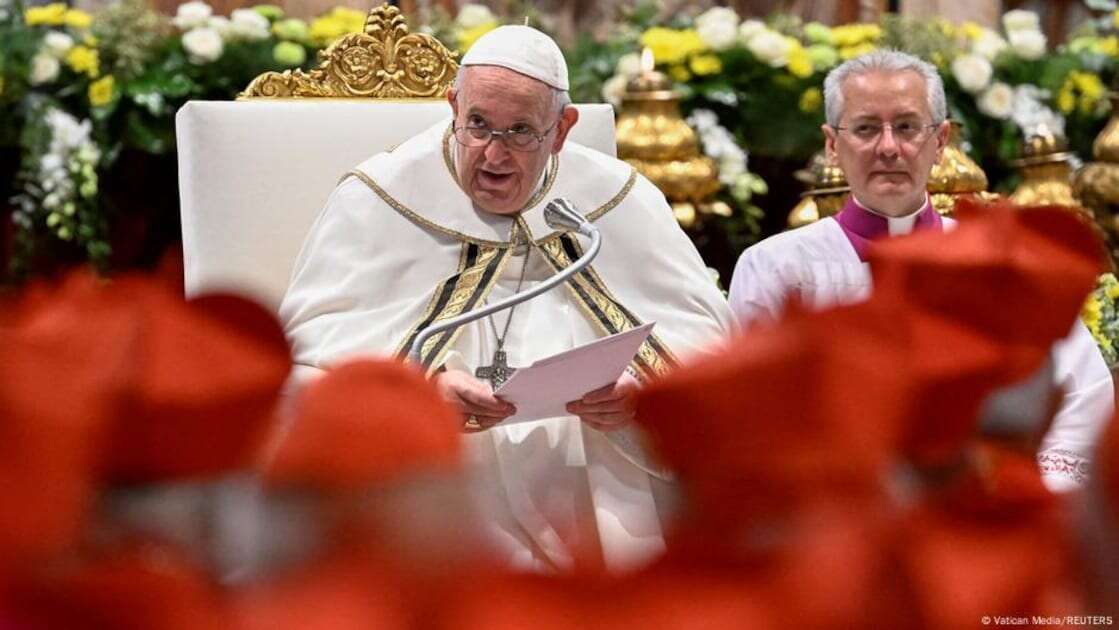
<point x="559" y="214"/>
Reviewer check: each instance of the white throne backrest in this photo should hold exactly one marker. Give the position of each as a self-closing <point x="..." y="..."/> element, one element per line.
<point x="254" y="174"/>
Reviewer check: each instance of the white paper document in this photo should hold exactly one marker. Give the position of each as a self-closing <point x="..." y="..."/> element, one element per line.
<point x="543" y="389"/>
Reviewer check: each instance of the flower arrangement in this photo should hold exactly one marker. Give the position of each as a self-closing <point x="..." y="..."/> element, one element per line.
<point x="749" y="83"/>
<point x="1101" y="315"/>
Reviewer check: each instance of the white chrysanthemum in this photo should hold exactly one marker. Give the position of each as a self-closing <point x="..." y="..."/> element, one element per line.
<point x="44" y="69"/>
<point x="248" y="24"/>
<point x="57" y="44"/>
<point x="988" y="45"/>
<point x="717" y="27"/>
<point x="1020" y="20"/>
<point x="1027" y="44"/>
<point x="202" y="45"/>
<point x="1030" y="113"/>
<point x="223" y="26"/>
<point x="770" y="47"/>
<point x="629" y="65"/>
<point x="972" y="72"/>
<point x="474" y="15"/>
<point x="997" y="101"/>
<point x="613" y="89"/>
<point x="748" y="29"/>
<point x="67" y="132"/>
<point x="192" y="15"/>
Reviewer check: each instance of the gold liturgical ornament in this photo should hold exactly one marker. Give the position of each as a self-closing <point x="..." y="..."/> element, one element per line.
<point x="826" y="194"/>
<point x="384" y="61"/>
<point x="956" y="176"/>
<point x="1096" y="184"/>
<point x="1046" y="171"/>
<point x="654" y="138"/>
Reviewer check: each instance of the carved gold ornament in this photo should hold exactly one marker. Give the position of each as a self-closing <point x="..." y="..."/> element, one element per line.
<point x="385" y="61"/>
<point x="1096" y="184"/>
<point x="826" y="194"/>
<point x="657" y="141"/>
<point x="955" y="176"/>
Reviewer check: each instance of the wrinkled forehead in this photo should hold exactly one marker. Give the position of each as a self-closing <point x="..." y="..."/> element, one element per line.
<point x="885" y="95"/>
<point x="497" y="91"/>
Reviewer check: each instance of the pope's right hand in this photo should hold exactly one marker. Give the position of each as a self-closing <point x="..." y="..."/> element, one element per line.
<point x="473" y="398"/>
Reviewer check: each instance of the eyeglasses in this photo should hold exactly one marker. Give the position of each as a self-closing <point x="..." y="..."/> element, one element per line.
<point x="518" y="138"/>
<point x="905" y="132"/>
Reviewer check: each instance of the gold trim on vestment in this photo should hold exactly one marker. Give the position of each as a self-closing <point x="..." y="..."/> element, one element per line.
<point x="605" y="312"/>
<point x="464" y="290"/>
<point x="417" y="218"/>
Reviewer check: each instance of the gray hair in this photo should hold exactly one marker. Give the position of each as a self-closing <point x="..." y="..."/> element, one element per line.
<point x="885" y="60"/>
<point x="560" y="98"/>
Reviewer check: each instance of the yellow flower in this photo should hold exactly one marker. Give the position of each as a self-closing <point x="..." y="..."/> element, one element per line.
<point x="1080" y="88"/>
<point x="1091" y="311"/>
<point x="672" y="46"/>
<point x="679" y="74"/>
<point x="811" y="99"/>
<point x="50" y="15"/>
<point x="1108" y="46"/>
<point x="855" y="34"/>
<point x="84" y="59"/>
<point x="799" y="61"/>
<point x="77" y="18"/>
<point x="1066" y="100"/>
<point x="972" y="30"/>
<point x="338" y="22"/>
<point x="704" y="65"/>
<point x="101" y="91"/>
<point x="468" y="36"/>
<point x="1115" y="18"/>
<point x="850" y="52"/>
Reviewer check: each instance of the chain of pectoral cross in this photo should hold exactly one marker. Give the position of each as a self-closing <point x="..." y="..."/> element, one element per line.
<point x="498" y="371"/>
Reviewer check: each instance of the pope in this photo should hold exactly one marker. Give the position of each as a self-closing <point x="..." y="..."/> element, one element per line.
<point x="453" y="218"/>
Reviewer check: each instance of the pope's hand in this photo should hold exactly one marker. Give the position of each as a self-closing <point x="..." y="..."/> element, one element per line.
<point x="607" y="408"/>
<point x="473" y="398"/>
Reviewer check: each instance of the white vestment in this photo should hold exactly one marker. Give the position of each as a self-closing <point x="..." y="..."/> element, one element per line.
<point x="818" y="264"/>
<point x="399" y="244"/>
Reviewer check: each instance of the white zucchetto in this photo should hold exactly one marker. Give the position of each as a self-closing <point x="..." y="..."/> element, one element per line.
<point x="521" y="49"/>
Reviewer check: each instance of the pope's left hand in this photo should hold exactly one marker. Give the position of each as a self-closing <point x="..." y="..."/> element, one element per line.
<point x="607" y="408"/>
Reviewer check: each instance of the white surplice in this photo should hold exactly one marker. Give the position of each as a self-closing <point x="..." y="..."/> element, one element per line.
<point x="818" y="264"/>
<point x="368" y="274"/>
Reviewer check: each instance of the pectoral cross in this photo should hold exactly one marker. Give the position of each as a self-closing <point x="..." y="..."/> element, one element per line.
<point x="498" y="372"/>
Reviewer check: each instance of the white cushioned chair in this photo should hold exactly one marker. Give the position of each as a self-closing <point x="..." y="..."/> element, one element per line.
<point x="254" y="174"/>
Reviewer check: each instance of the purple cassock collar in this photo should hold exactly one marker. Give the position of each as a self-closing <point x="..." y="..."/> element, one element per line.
<point x="861" y="225"/>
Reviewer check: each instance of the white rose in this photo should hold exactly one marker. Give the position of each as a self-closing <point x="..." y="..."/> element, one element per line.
<point x="748" y="29"/>
<point x="58" y="44"/>
<point x="1027" y="44"/>
<point x="249" y="24"/>
<point x="770" y="47"/>
<point x="997" y="101"/>
<point x="989" y="44"/>
<point x="192" y="14"/>
<point x="972" y="72"/>
<point x="222" y="25"/>
<point x="203" y="45"/>
<point x="1020" y="20"/>
<point x="717" y="27"/>
<point x="629" y="65"/>
<point x="472" y="15"/>
<point x="44" y="69"/>
<point x="613" y="89"/>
